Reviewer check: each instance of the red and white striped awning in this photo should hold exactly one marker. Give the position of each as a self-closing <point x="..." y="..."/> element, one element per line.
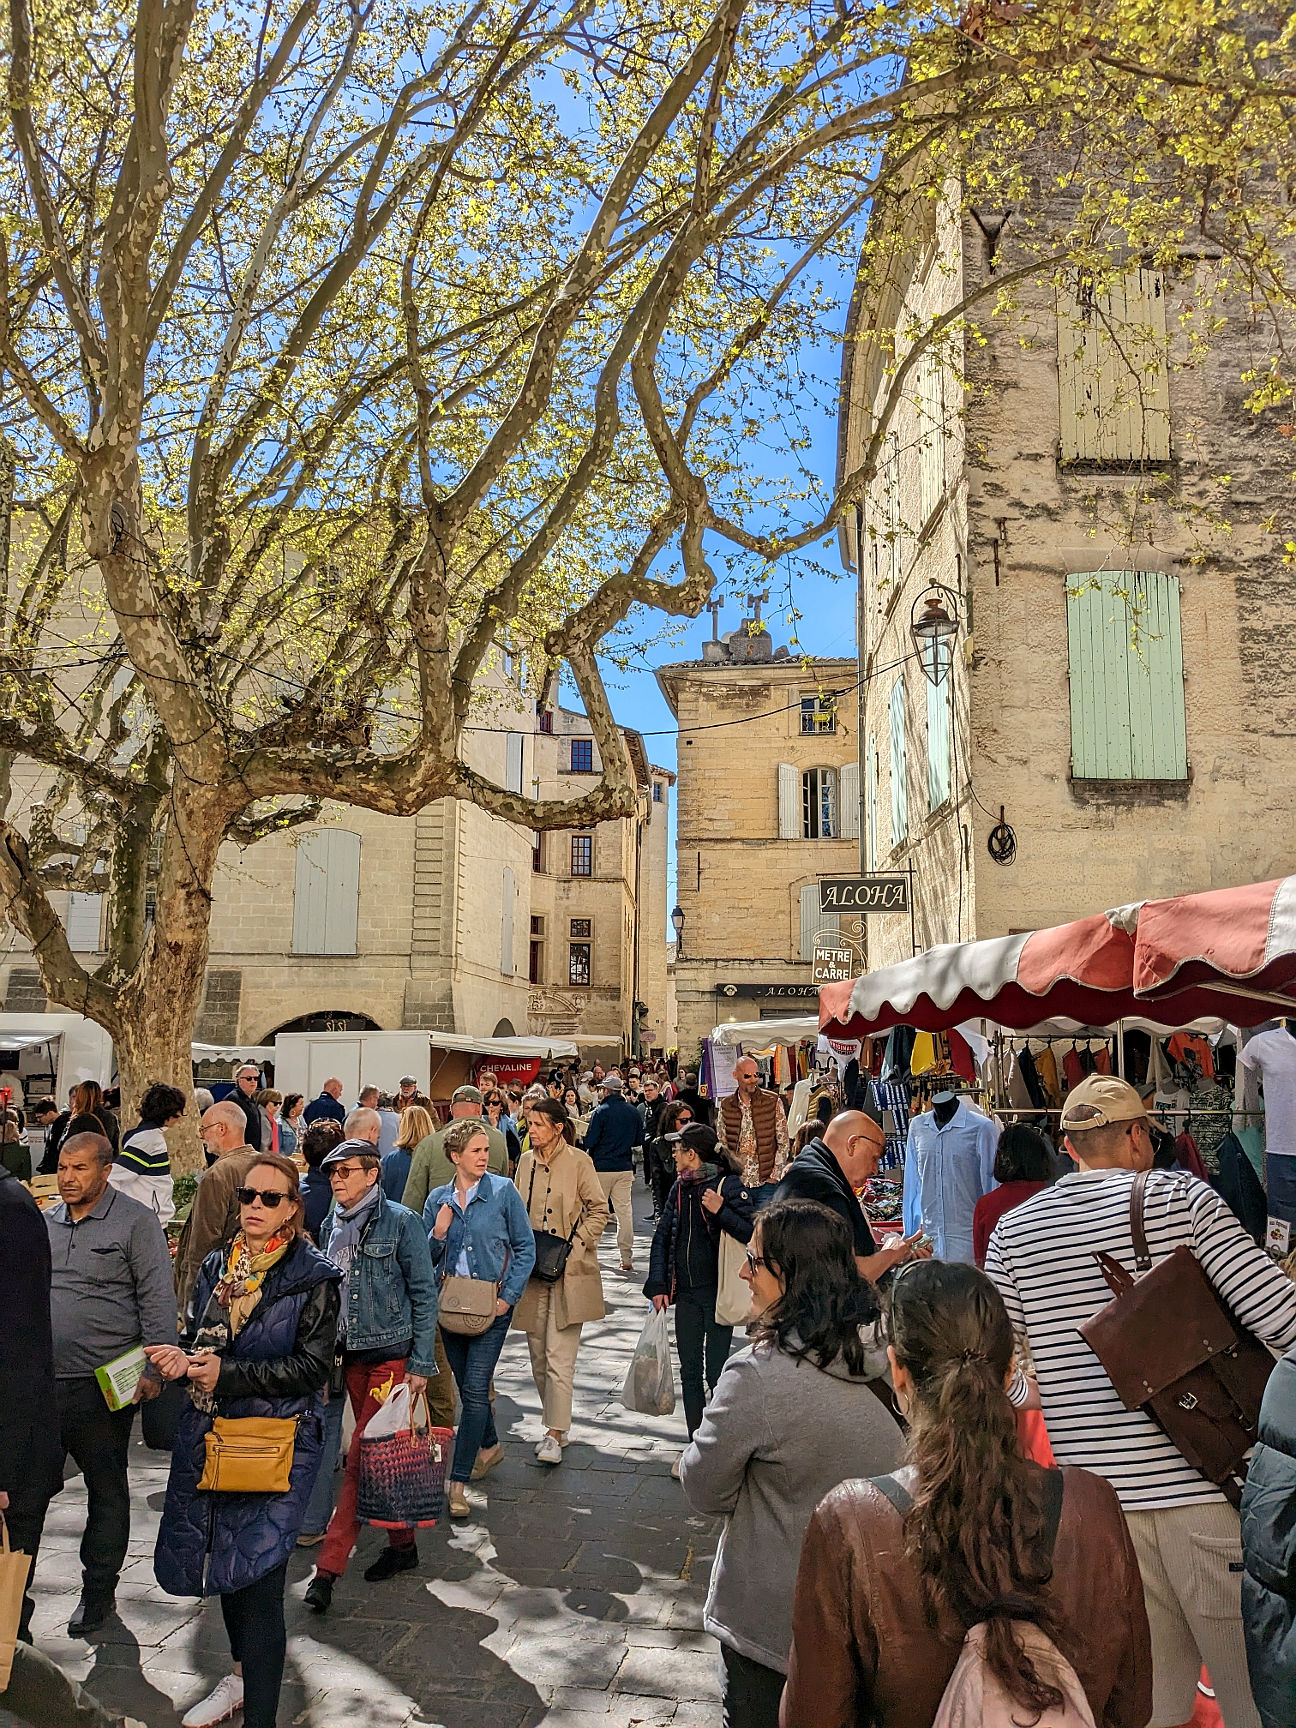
<point x="1228" y="953"/>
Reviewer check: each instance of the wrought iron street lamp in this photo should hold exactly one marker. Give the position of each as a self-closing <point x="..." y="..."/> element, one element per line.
<point x="935" y="628"/>
<point x="677" y="920"/>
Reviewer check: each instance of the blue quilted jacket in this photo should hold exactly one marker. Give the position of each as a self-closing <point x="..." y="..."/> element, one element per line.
<point x="1269" y="1552"/>
<point x="278" y="1365"/>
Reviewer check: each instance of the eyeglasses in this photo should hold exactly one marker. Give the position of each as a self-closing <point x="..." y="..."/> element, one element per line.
<point x="270" y="1197"/>
<point x="755" y="1260"/>
<point x="684" y="1116"/>
<point x="344" y="1169"/>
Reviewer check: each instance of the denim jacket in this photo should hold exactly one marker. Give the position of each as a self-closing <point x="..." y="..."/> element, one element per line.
<point x="392" y="1289"/>
<point x="496" y="1235"/>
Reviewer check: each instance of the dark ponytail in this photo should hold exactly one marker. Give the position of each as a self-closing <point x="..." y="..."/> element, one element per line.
<point x="975" y="1529"/>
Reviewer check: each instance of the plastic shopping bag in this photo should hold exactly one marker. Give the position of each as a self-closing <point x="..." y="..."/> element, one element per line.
<point x="650" y="1384"/>
<point x="403" y="1463"/>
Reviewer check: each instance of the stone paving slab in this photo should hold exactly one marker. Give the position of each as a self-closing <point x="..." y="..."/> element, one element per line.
<point x="572" y="1599"/>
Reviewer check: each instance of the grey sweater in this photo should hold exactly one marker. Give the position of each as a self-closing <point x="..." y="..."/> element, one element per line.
<point x="777" y="1435"/>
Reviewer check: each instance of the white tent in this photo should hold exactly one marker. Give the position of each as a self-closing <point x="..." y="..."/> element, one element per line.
<point x="757" y="1034"/>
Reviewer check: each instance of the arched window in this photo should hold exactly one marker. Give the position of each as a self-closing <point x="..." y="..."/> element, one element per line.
<point x="326" y="892"/>
<point x="819" y="819"/>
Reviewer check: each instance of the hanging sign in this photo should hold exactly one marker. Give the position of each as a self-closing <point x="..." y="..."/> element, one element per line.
<point x="833" y="965"/>
<point x="864" y="894"/>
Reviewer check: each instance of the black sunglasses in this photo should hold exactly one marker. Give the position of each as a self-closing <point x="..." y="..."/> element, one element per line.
<point x="755" y="1260"/>
<point x="270" y="1197"/>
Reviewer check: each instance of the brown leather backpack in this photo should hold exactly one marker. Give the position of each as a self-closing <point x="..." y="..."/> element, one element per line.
<point x="1172" y="1349"/>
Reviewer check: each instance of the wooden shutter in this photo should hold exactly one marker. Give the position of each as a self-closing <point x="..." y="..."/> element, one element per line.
<point x="1113" y="383"/>
<point x="1127" y="682"/>
<point x="84" y="921"/>
<point x="899" y="786"/>
<point x="848" y="800"/>
<point x="513" y="762"/>
<point x="789" y="802"/>
<point x="507" y="895"/>
<point x="871" y="781"/>
<point x="938" y="740"/>
<point x="326" y="893"/>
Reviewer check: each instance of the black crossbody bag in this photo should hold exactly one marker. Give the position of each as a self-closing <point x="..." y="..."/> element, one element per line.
<point x="552" y="1251"/>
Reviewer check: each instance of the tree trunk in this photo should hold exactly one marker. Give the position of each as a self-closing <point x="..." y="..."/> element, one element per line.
<point x="152" y="1043"/>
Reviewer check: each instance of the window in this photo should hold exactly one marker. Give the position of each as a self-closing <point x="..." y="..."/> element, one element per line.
<point x="582" y="855"/>
<point x="819" y="804"/>
<point x="546" y="718"/>
<point x="1127" y="680"/>
<point x="84" y="920"/>
<point x="582" y="928"/>
<point x="537" y="926"/>
<point x="939" y="697"/>
<point x="508" y="895"/>
<point x="582" y="755"/>
<point x="1113" y="387"/>
<point x="578" y="963"/>
<point x="657" y="791"/>
<point x="818" y="714"/>
<point x="535" y="971"/>
<point x="871" y="783"/>
<point x="326" y="892"/>
<point x="513" y="762"/>
<point x="899" y="787"/>
<point x="931" y="433"/>
<point x="823" y="926"/>
<point x="537" y="854"/>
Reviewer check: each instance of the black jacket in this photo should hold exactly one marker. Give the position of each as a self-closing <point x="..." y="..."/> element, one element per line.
<point x="252" y="1133"/>
<point x="685" y="1252"/>
<point x="1239" y="1186"/>
<point x="816" y="1175"/>
<point x="28" y="1455"/>
<point x="1269" y="1552"/>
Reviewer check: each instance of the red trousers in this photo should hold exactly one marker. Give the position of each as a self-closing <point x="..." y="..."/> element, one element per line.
<point x="362" y="1381"/>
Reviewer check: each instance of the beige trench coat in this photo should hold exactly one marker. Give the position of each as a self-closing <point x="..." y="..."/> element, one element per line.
<point x="566" y="1191"/>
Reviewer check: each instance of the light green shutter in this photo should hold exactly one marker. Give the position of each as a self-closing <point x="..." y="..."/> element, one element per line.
<point x="899" y="787"/>
<point x="1113" y="383"/>
<point x="1127" y="681"/>
<point x="938" y="740"/>
<point x="326" y="892"/>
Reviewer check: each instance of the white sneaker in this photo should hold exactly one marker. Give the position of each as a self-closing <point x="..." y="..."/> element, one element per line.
<point x="217" y="1706"/>
<point x="548" y="1452"/>
<point x="675" y="1467"/>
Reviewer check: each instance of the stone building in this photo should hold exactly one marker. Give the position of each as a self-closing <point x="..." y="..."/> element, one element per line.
<point x="1119" y="684"/>
<point x="597" y="962"/>
<point x="768" y="803"/>
<point x="363" y="921"/>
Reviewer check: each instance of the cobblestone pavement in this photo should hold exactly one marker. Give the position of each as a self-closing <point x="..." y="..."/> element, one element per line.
<point x="572" y="1599"/>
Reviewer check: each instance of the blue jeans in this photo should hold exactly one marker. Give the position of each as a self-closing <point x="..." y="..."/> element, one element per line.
<point x="472" y="1362"/>
<point x="319" y="1508"/>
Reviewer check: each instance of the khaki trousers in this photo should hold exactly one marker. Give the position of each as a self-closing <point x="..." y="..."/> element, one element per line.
<point x="618" y="1191"/>
<point x="553" y="1362"/>
<point x="1191" y="1561"/>
<point x="441" y="1389"/>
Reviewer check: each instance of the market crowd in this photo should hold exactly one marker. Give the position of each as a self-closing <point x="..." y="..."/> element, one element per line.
<point x="936" y="1506"/>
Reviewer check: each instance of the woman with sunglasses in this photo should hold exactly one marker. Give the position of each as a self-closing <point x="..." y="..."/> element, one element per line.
<point x="258" y="1340"/>
<point x="708" y="1198"/>
<point x="792" y="1416"/>
<point x="661" y="1152"/>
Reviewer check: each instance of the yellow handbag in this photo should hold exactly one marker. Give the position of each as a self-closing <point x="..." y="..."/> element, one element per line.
<point x="248" y="1455"/>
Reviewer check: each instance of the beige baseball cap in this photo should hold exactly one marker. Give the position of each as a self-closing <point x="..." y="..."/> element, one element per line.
<point x="1100" y="1100"/>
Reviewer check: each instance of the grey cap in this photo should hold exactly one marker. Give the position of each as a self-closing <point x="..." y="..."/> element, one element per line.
<point x="348" y="1149"/>
<point x="408" y="1080"/>
<point x="611" y="1083"/>
<point x="466" y="1095"/>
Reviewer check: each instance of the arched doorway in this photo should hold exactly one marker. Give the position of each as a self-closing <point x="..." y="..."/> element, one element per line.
<point x="327" y="1020"/>
<point x="504" y="1030"/>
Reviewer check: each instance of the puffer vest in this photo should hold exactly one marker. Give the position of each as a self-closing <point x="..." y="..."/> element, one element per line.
<point x="764" y="1106"/>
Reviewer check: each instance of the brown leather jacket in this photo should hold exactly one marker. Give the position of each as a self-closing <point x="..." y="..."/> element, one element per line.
<point x="864" y="1654"/>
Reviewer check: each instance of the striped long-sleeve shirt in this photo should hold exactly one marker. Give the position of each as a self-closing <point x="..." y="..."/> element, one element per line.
<point x="1041" y="1258"/>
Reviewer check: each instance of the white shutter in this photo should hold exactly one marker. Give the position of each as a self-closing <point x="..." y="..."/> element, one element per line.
<point x="83" y="922"/>
<point x="871" y="770"/>
<point x="899" y="769"/>
<point x="809" y="919"/>
<point x="789" y="802"/>
<point x="848" y="795"/>
<point x="513" y="762"/>
<point x="326" y="893"/>
<point x="506" y="923"/>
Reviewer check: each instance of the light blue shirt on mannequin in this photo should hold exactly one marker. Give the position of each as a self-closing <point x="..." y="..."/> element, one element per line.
<point x="947" y="1170"/>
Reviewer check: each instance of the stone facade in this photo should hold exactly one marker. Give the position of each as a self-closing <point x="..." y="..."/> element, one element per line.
<point x="598" y="902"/>
<point x="743" y="855"/>
<point x="1057" y="565"/>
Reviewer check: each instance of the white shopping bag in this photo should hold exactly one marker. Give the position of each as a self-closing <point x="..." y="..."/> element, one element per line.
<point x="649" y="1388"/>
<point x="393" y="1417"/>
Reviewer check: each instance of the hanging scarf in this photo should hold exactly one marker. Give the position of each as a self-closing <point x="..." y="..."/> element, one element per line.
<point x="344" y="1238"/>
<point x="234" y="1295"/>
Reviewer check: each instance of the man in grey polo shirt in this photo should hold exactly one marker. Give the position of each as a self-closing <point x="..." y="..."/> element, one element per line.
<point x="110" y="1291"/>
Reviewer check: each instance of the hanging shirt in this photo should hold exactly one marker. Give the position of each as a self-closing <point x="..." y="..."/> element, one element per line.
<point x="947" y="1170"/>
<point x="1269" y="1060"/>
